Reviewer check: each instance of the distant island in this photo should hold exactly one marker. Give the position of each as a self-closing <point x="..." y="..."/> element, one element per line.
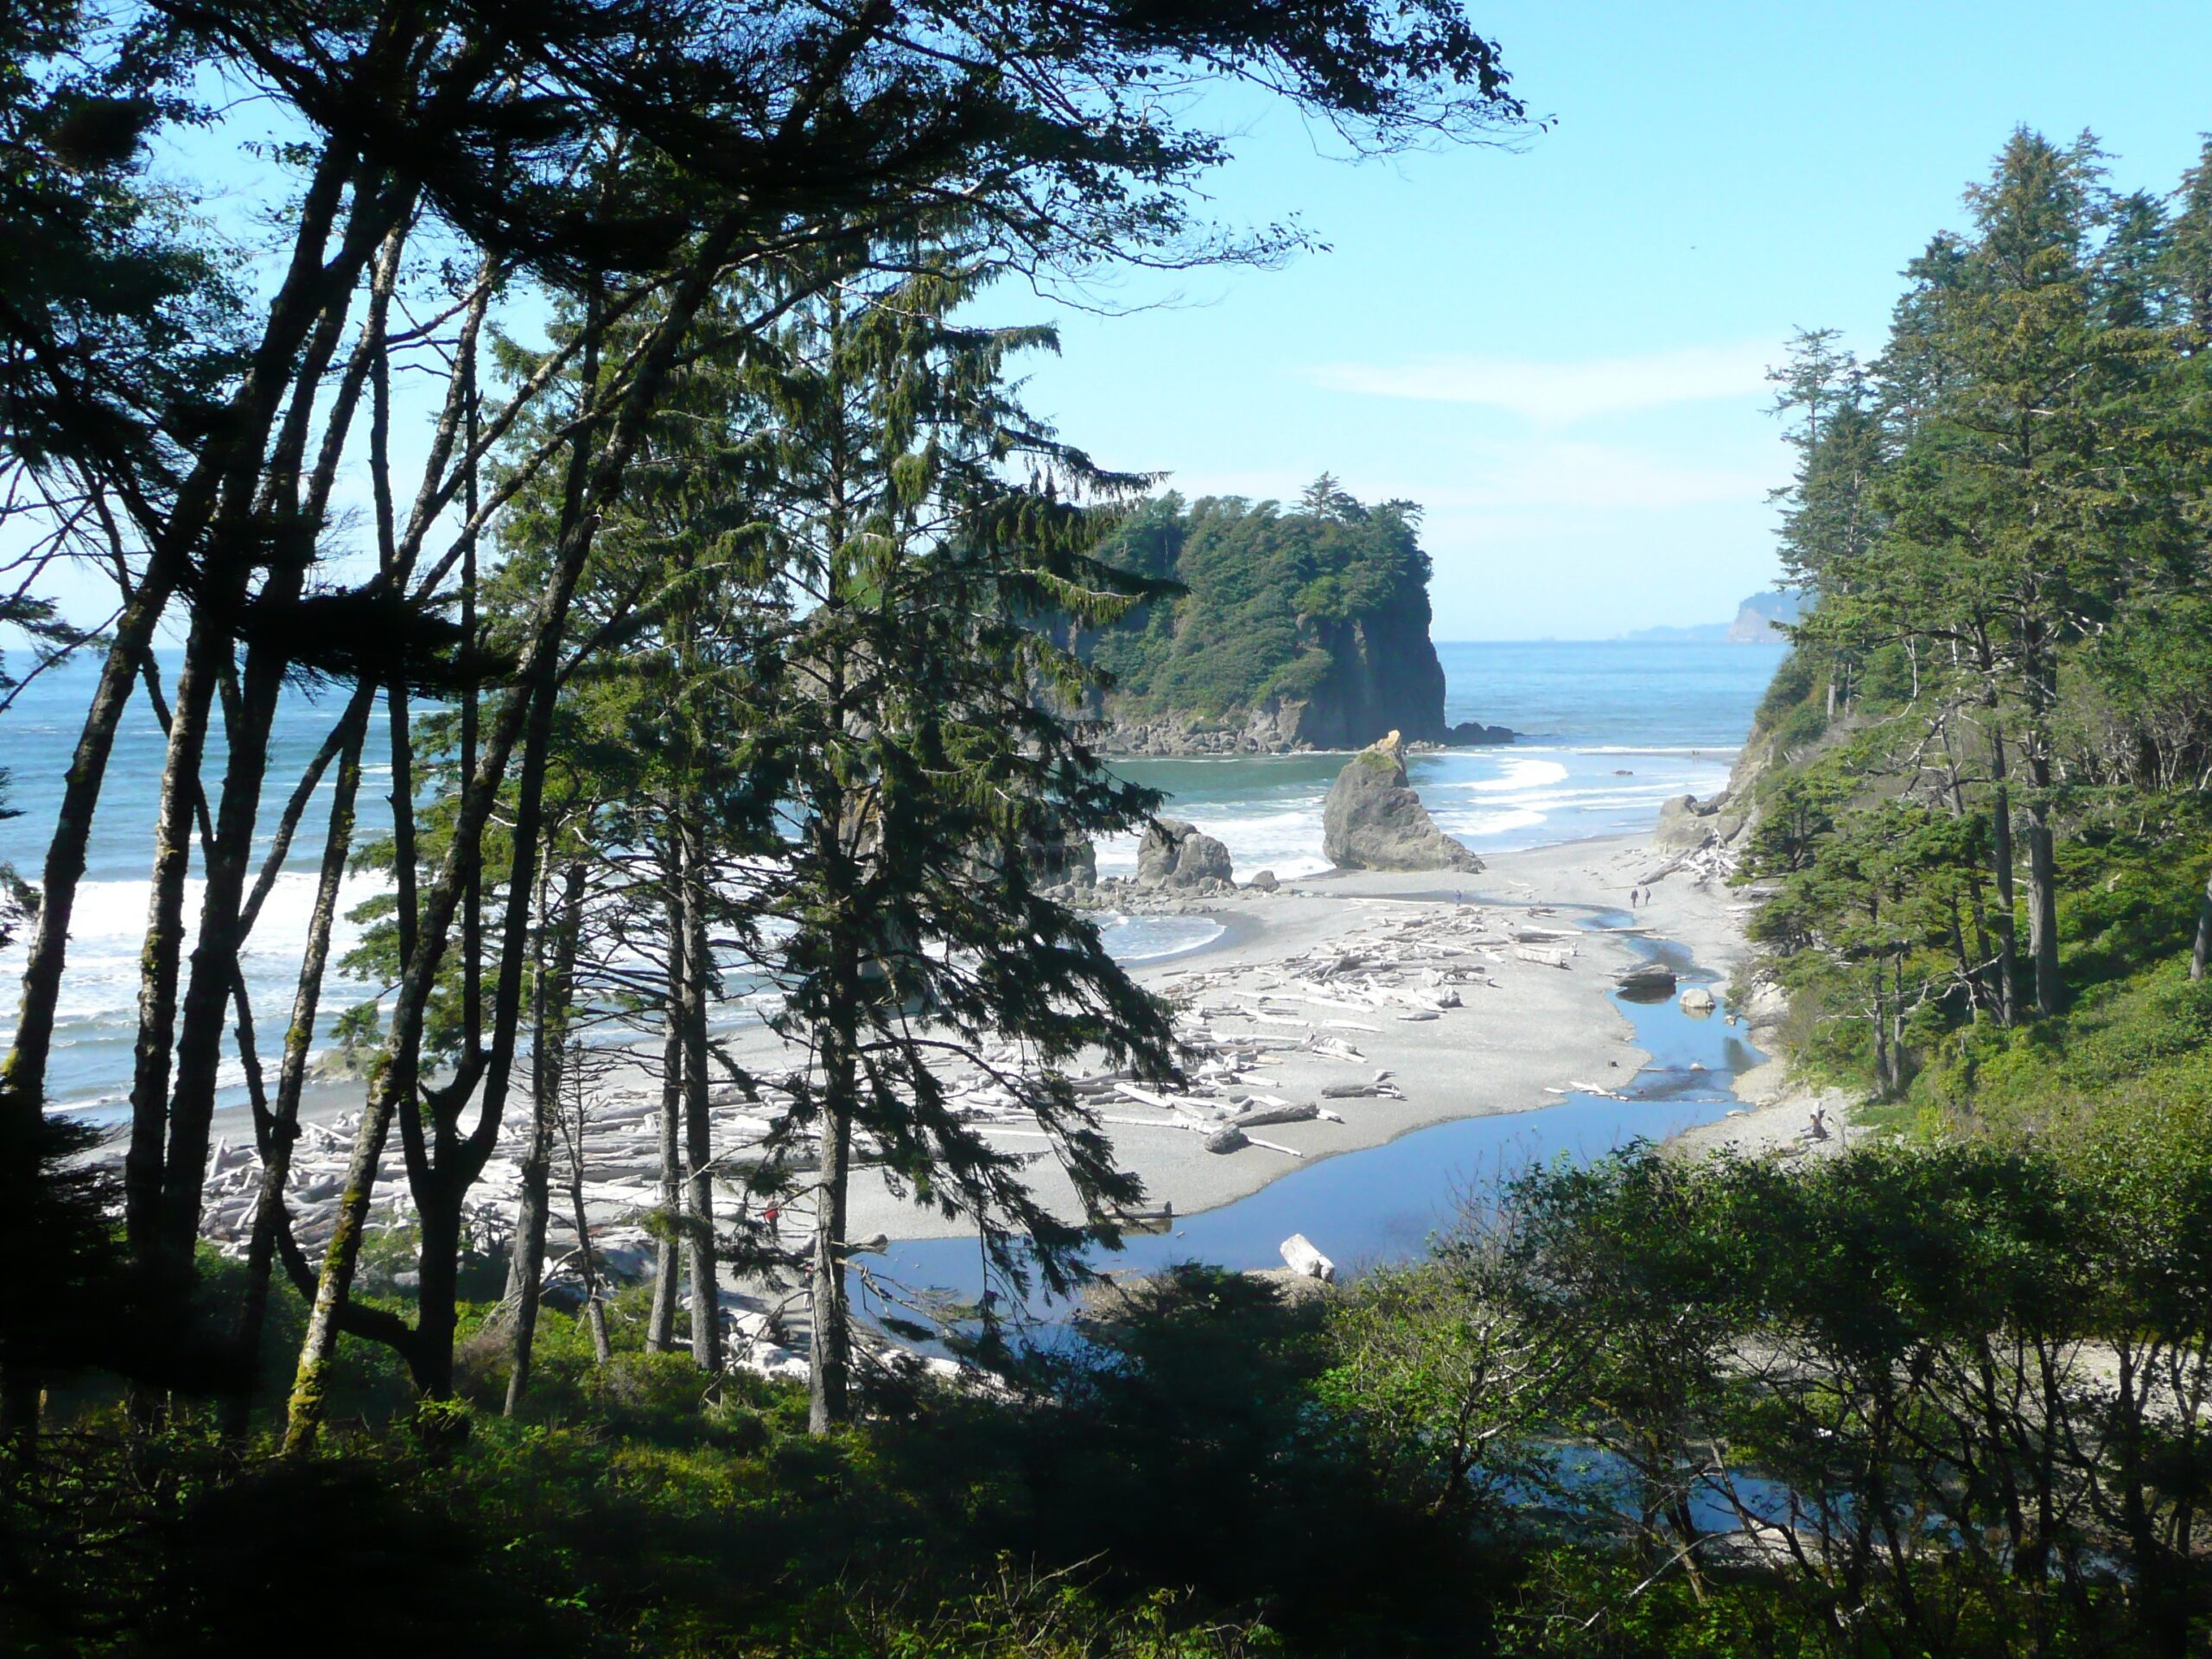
<point x="1300" y="627"/>
<point x="1759" y="620"/>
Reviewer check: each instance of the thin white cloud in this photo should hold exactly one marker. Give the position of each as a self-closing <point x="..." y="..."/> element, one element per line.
<point x="1596" y="477"/>
<point x="1558" y="394"/>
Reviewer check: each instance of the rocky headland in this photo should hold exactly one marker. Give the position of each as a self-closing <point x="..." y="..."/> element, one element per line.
<point x="1306" y="629"/>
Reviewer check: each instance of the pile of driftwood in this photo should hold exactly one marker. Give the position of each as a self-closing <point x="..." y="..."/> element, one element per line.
<point x="1236" y="1023"/>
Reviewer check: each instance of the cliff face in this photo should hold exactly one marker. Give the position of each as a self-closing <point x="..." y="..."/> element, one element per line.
<point x="1383" y="676"/>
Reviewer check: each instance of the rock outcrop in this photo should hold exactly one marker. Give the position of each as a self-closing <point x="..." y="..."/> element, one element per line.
<point x="1271" y="727"/>
<point x="1719" y="822"/>
<point x="1177" y="854"/>
<point x="1374" y="820"/>
<point x="1687" y="823"/>
<point x="1472" y="734"/>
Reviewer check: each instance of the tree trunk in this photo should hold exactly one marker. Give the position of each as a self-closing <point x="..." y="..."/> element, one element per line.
<point x="526" y="1257"/>
<point x="442" y="1179"/>
<point x="239" y="439"/>
<point x="159" y="960"/>
<point x="214" y="968"/>
<point x="660" y="1330"/>
<point x="602" y="1350"/>
<point x="1979" y="909"/>
<point x="284" y="1129"/>
<point x="243" y="501"/>
<point x="437" y="1289"/>
<point x="556" y="994"/>
<point x="698" y="1129"/>
<point x="22" y="1073"/>
<point x="2200" y="953"/>
<point x="829" y="1374"/>
<point x="224" y="916"/>
<point x="2043" y="890"/>
<point x="335" y="1287"/>
<point x="2008" y="940"/>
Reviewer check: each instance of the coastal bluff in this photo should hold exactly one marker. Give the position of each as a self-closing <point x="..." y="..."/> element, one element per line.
<point x="1275" y="630"/>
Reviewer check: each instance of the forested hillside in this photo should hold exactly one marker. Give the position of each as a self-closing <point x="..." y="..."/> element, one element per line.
<point x="1984" y="829"/>
<point x="1300" y="626"/>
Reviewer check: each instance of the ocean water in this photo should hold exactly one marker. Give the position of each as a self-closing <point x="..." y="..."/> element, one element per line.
<point x="1611" y="730"/>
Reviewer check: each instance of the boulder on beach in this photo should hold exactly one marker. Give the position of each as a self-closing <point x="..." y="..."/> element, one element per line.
<point x="1374" y="820"/>
<point x="1177" y="854"/>
<point x="1264" y="881"/>
<point x="1646" y="982"/>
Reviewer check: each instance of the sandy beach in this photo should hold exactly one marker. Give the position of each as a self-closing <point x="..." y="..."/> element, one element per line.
<point x="1525" y="1027"/>
<point x="1390" y="1003"/>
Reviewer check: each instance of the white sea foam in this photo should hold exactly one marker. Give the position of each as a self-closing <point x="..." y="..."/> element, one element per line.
<point x="1519" y="773"/>
<point x="1153" y="938"/>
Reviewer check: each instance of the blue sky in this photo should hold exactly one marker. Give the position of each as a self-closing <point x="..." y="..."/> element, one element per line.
<point x="1560" y="351"/>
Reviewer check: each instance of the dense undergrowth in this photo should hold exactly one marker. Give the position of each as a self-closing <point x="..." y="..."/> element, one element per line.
<point x="1163" y="1491"/>
<point x="1935" y="1399"/>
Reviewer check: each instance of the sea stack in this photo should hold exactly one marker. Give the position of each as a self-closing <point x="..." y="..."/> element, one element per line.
<point x="1374" y="820"/>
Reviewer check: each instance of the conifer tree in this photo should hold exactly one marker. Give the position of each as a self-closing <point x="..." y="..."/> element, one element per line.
<point x="923" y="524"/>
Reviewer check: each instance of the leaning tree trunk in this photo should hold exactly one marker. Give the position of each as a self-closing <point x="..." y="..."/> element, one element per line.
<point x="22" y="1077"/>
<point x="556" y="994"/>
<point x="224" y="909"/>
<point x="283" y="1128"/>
<point x="162" y="953"/>
<point x="245" y="502"/>
<point x="22" y="1073"/>
<point x="397" y="1086"/>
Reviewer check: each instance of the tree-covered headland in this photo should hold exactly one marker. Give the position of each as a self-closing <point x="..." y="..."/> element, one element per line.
<point x="1308" y="625"/>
